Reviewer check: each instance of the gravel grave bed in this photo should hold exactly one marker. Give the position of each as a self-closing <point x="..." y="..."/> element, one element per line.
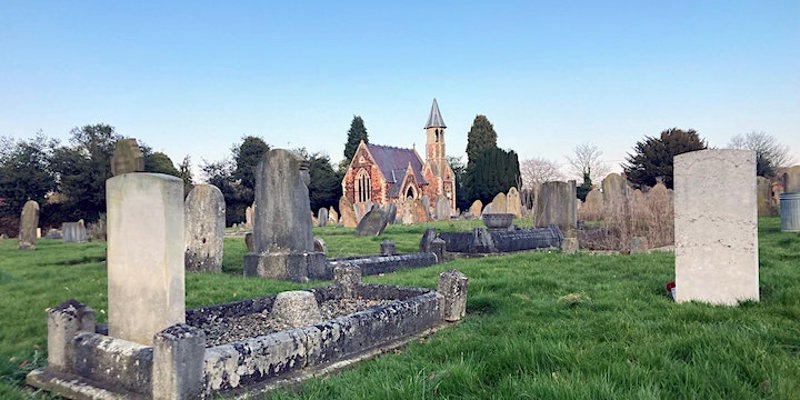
<point x="221" y="331"/>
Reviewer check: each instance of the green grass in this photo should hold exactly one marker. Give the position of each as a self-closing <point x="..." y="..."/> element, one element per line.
<point x="539" y="325"/>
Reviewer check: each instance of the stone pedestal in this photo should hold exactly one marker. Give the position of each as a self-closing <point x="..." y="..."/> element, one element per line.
<point x="716" y="235"/>
<point x="63" y="323"/>
<point x="298" y="267"/>
<point x="145" y="255"/>
<point x="453" y="288"/>
<point x="178" y="353"/>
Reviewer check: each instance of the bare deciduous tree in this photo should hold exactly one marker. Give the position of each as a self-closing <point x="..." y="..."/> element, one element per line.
<point x="537" y="170"/>
<point x="585" y="158"/>
<point x="770" y="155"/>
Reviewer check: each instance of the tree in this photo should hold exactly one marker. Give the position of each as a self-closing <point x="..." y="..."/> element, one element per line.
<point x="246" y="157"/>
<point x="770" y="155"/>
<point x="185" y="173"/>
<point x="585" y="187"/>
<point x="459" y="172"/>
<point x="83" y="168"/>
<point x="481" y="137"/>
<point x="355" y="135"/>
<point x="159" y="162"/>
<point x="220" y="174"/>
<point x="25" y="172"/>
<point x="538" y="170"/>
<point x="493" y="171"/>
<point x="325" y="188"/>
<point x="587" y="158"/>
<point x="652" y="157"/>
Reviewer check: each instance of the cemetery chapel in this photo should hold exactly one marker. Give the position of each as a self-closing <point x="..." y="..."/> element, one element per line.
<point x="383" y="174"/>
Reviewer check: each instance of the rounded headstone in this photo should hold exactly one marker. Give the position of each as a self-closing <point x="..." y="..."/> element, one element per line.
<point x="296" y="308"/>
<point x="204" y="228"/>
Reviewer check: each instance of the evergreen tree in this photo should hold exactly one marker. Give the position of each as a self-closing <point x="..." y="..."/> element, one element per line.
<point x="652" y="157"/>
<point x="26" y="173"/>
<point x="493" y="171"/>
<point x="481" y="137"/>
<point x="459" y="172"/>
<point x="586" y="186"/>
<point x="355" y="135"/>
<point x="325" y="188"/>
<point x="246" y="157"/>
<point x="160" y="163"/>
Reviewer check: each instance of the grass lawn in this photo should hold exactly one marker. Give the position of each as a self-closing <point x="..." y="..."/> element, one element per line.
<point x="539" y="325"/>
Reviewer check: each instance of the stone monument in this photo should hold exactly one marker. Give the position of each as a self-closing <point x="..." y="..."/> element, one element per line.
<point x="555" y="205"/>
<point x="28" y="223"/>
<point x="127" y="157"/>
<point x="145" y="255"/>
<point x="716" y="235"/>
<point x="282" y="228"/>
<point x="205" y="228"/>
<point x="74" y="232"/>
<point x="514" y="203"/>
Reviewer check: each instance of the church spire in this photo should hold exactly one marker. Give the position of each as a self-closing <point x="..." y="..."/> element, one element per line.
<point x="435" y="119"/>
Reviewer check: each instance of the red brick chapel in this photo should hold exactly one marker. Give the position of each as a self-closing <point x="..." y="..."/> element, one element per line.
<point x="384" y="174"/>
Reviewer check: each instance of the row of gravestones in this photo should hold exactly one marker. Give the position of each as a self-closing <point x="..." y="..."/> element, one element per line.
<point x="29" y="231"/>
<point x="502" y="203"/>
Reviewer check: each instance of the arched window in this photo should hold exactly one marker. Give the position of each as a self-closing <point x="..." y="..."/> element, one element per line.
<point x="436" y="136"/>
<point x="410" y="193"/>
<point x="363" y="186"/>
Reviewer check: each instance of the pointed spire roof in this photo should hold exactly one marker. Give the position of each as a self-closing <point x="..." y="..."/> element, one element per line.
<point x="435" y="119"/>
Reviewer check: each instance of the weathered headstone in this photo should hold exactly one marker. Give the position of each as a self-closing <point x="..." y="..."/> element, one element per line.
<point x="333" y="216"/>
<point x="570" y="245"/>
<point x="438" y="247"/>
<point x="373" y="223"/>
<point x="205" y="228"/>
<point x="320" y="246"/>
<point x="296" y="308"/>
<point x="348" y="214"/>
<point x="348" y="277"/>
<point x="282" y="230"/>
<point x="54" y="234"/>
<point x="476" y="208"/>
<point x="413" y="211"/>
<point x="555" y="205"/>
<point x="764" y="197"/>
<point x="74" y="232"/>
<point x="248" y="217"/>
<point x="592" y="209"/>
<point x="425" y="241"/>
<point x="453" y="288"/>
<point x="391" y="210"/>
<point x="442" y="208"/>
<point x="145" y="223"/>
<point x="639" y="245"/>
<point x="388" y="248"/>
<point x="514" y="203"/>
<point x="791" y="180"/>
<point x="499" y="204"/>
<point x="28" y="223"/>
<point x="127" y="157"/>
<point x="716" y="235"/>
<point x="322" y="217"/>
<point x="613" y="189"/>
<point x="426" y="202"/>
<point x="248" y="242"/>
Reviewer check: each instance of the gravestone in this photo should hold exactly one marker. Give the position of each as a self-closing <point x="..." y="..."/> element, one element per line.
<point x="764" y="197"/>
<point x="555" y="205"/>
<point x="438" y="247"/>
<point x="320" y="246"/>
<point x="348" y="215"/>
<point x="205" y="228"/>
<point x="499" y="204"/>
<point x="54" y="234"/>
<point x="514" y="203"/>
<point x="613" y="189"/>
<point x="388" y="248"/>
<point x="248" y="217"/>
<point x="414" y="212"/>
<point x="248" y="242"/>
<point x="333" y="216"/>
<point x="716" y="235"/>
<point x="73" y="232"/>
<point x="391" y="210"/>
<point x="127" y="157"/>
<point x="425" y="241"/>
<point x="28" y="224"/>
<point x="570" y="245"/>
<point x="296" y="308"/>
<point x="592" y="209"/>
<point x="639" y="245"/>
<point x="442" y="208"/>
<point x="145" y="224"/>
<point x="373" y="223"/>
<point x="282" y="230"/>
<point x="791" y="180"/>
<point x="476" y="208"/>
<point x="426" y="202"/>
<point x="453" y="288"/>
<point x="322" y="217"/>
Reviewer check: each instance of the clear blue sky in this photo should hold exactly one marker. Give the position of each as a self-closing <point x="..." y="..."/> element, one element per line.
<point x="194" y="77"/>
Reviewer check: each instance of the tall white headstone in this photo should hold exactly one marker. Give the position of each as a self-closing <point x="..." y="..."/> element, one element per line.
<point x="145" y="255"/>
<point x="716" y="230"/>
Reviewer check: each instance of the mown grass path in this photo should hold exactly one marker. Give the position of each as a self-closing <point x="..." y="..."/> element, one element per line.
<point x="539" y="325"/>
